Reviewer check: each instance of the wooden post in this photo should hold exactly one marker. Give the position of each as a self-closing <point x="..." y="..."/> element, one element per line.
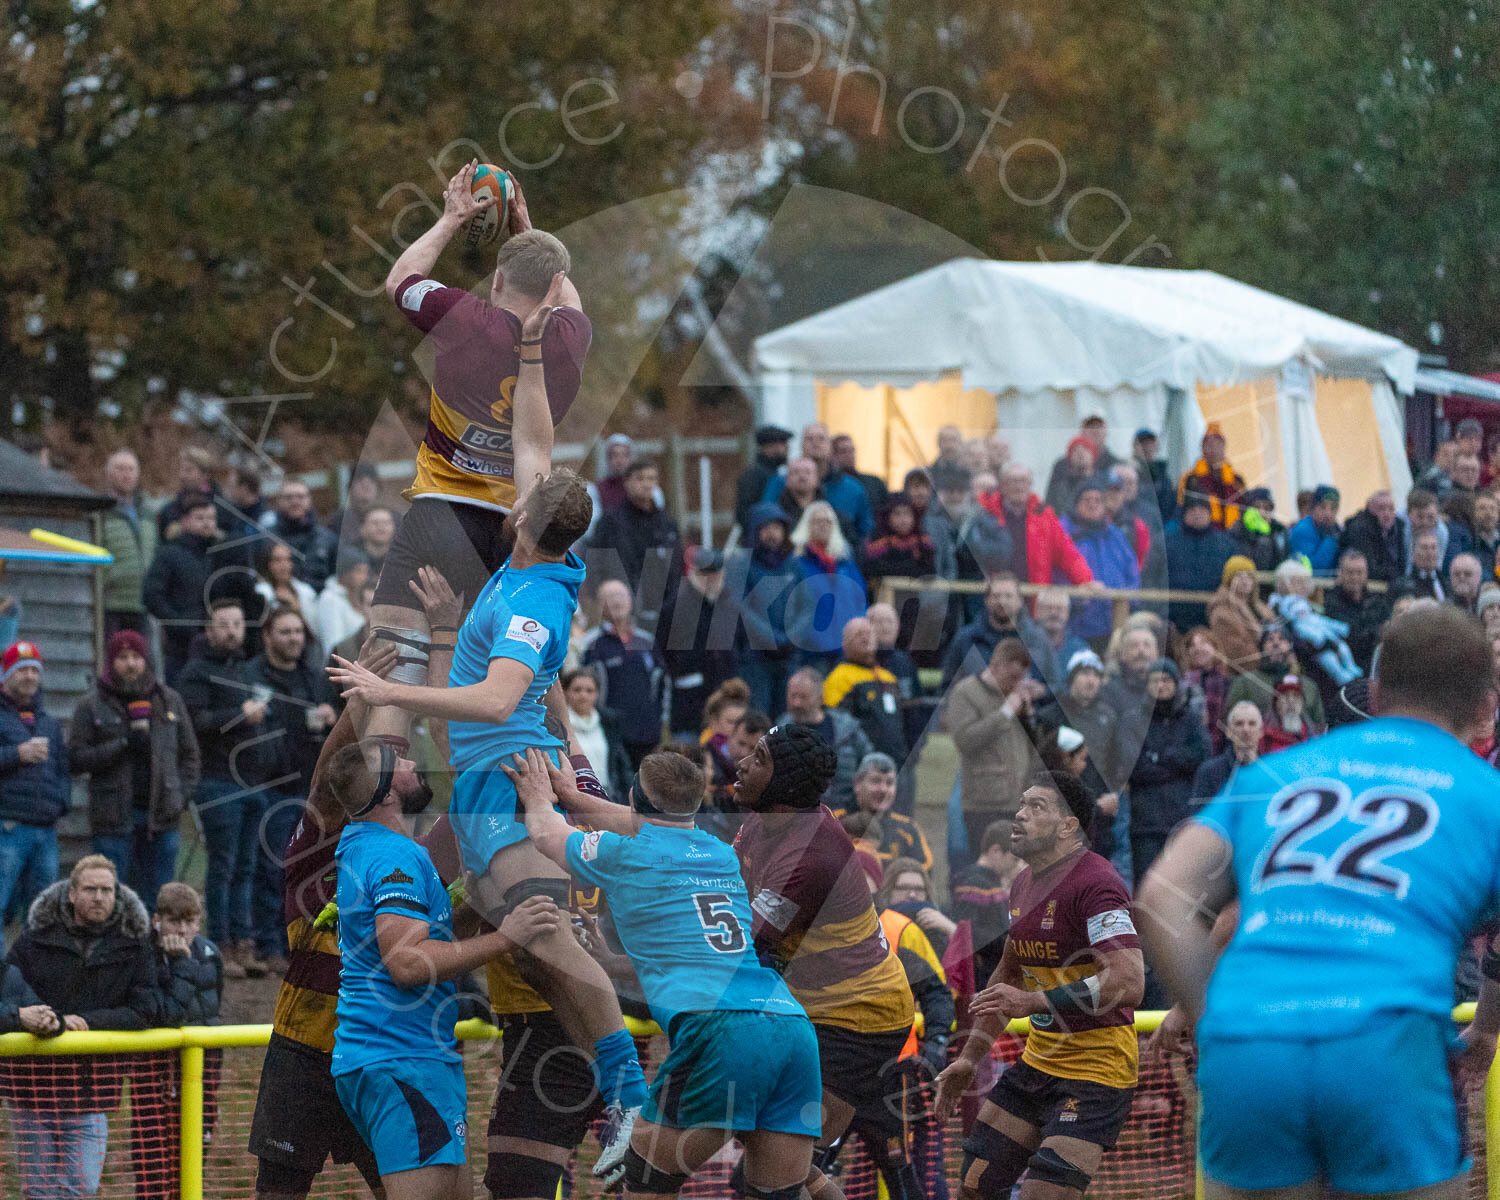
<point x="676" y="472"/>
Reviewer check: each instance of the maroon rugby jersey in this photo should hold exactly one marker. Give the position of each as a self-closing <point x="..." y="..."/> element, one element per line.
<point x="471" y="357"/>
<point x="1058" y="921"/>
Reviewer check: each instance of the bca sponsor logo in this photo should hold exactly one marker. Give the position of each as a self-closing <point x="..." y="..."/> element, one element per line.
<point x="486" y="441"/>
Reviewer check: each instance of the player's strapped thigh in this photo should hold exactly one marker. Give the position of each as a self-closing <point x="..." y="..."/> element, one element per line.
<point x="412" y="652"/>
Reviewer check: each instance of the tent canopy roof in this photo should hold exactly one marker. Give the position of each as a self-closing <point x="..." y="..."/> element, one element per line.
<point x="1028" y="326"/>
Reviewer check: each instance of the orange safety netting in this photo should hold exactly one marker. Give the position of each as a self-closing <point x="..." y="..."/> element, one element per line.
<point x="68" y="1121"/>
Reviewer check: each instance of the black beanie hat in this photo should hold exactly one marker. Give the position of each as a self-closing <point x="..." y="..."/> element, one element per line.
<point x="802" y="765"/>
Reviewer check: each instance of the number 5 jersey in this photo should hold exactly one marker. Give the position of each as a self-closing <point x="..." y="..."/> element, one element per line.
<point x="1362" y="859"/>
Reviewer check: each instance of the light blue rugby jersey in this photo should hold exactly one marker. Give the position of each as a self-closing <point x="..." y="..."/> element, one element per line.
<point x="524" y="614"/>
<point x="683" y="915"/>
<point x="1362" y="859"/>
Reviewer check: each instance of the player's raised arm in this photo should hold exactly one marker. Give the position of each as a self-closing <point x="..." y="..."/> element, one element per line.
<point x="378" y="658"/>
<point x="491" y="700"/>
<point x="414" y="958"/>
<point x="459" y="205"/>
<point x="531" y="418"/>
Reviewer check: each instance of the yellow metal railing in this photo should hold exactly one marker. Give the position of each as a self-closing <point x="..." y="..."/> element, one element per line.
<point x="192" y="1041"/>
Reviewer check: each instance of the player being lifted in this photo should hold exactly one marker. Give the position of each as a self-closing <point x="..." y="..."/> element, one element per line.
<point x="743" y="1058"/>
<point x="1072" y="963"/>
<point x="465" y="484"/>
<point x="1361" y="860"/>
<point x="509" y="651"/>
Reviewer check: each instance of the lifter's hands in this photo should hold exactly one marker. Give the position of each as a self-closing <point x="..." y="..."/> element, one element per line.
<point x="533" y="918"/>
<point x="357" y="682"/>
<point x="459" y="202"/>
<point x="533" y="784"/>
<point x="520" y="218"/>
<point x="433" y="592"/>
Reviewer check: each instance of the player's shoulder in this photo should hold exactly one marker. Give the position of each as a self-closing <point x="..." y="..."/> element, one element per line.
<point x="1094" y="872"/>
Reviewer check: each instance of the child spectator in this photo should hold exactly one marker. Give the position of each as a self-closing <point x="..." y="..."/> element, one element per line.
<point x="190" y="981"/>
<point x="1322" y="635"/>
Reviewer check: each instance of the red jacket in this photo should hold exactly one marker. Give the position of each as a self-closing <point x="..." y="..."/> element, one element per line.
<point x="1049" y="549"/>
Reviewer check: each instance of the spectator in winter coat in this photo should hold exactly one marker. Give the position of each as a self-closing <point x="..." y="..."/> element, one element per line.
<point x="1054" y="610"/>
<point x="989" y="716"/>
<point x="86" y="952"/>
<point x="888" y="652"/>
<point x="1205" y="674"/>
<point x="1126" y="691"/>
<point x="190" y="982"/>
<point x="1349" y="600"/>
<point x="1276" y="662"/>
<point x="377" y="530"/>
<point x="1316" y="536"/>
<point x="1244" y="727"/>
<point x="869" y="693"/>
<point x="950" y="440"/>
<point x="874" y="821"/>
<point x="639" y="544"/>
<point x="1196" y="553"/>
<point x="314" y="547"/>
<point x="1069" y="473"/>
<point x="1464" y="578"/>
<point x="1133" y="517"/>
<point x="693" y="643"/>
<point x="831" y="592"/>
<point x="1214" y="478"/>
<point x="1004" y="616"/>
<point x="844" y="492"/>
<point x="339" y="615"/>
<point x="34" y="785"/>
<point x="609" y="492"/>
<point x="133" y="737"/>
<point x="278" y="584"/>
<point x="771" y="442"/>
<point x="1236" y="614"/>
<point x="1161" y="782"/>
<point x="1484" y="534"/>
<point x="758" y="580"/>
<point x="799" y="488"/>
<point x="1111" y="561"/>
<point x="1040" y="548"/>
<point x="1380" y="535"/>
<point x="917" y="487"/>
<point x="596" y="732"/>
<point x="1288" y="724"/>
<point x="1082" y="708"/>
<point x="635" y="688"/>
<point x="1424" y="516"/>
<point x="844" y="456"/>
<point x="984" y="545"/>
<point x="804" y="706"/>
<point x="941" y="517"/>
<point x="195" y="481"/>
<point x="898" y="547"/>
<point x="1260" y="536"/>
<point x="130" y="536"/>
<point x="188" y="573"/>
<point x="1155" y="479"/>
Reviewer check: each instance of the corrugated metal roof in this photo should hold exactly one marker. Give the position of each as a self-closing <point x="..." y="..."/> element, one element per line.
<point x="22" y="478"/>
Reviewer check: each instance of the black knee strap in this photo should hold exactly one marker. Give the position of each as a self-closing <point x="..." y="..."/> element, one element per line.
<point x="556" y="890"/>
<point x="641" y="1176"/>
<point x="1048" y="1166"/>
<point x="824" y="1157"/>
<point x="521" y="1177"/>
<point x="1001" y="1161"/>
<point x="792" y="1191"/>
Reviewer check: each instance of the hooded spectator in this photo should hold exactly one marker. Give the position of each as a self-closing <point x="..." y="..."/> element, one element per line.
<point x="1105" y="549"/>
<point x="126" y="532"/>
<point x="639" y="543"/>
<point x="1040" y="548"/>
<point x="1276" y="663"/>
<point x="1259" y="535"/>
<point x="1214" y="478"/>
<point x="899" y="547"/>
<point x="917" y="487"/>
<point x="1204" y="674"/>
<point x="314" y="548"/>
<point x="1197" y="550"/>
<point x="1004" y="616"/>
<point x="34" y="784"/>
<point x="1316" y="536"/>
<point x="1287" y="725"/>
<point x="1380" y="535"/>
<point x="1161" y="782"/>
<point x="771" y="442"/>
<point x="133" y="737"/>
<point x="619" y="453"/>
<point x="840" y="731"/>
<point x="692" y="643"/>
<point x="634" y="683"/>
<point x="1236" y="614"/>
<point x="86" y="952"/>
<point x="1244" y="727"/>
<point x="1076" y="467"/>
<point x="758" y="580"/>
<point x="831" y="592"/>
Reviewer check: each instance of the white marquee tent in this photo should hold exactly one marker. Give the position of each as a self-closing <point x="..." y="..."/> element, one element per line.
<point x="1032" y="348"/>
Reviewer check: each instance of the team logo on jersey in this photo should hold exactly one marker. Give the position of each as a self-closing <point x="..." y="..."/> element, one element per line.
<point x="398" y="876"/>
<point x="524" y="629"/>
<point x="590" y="848"/>
<point x="774" y="908"/>
<point x="461" y="1130"/>
<point x="1069" y="1110"/>
<point x="1047" y="918"/>
<point x="1112" y="924"/>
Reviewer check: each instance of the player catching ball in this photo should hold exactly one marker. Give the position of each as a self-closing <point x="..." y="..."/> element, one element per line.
<point x="465" y="484"/>
<point x="1072" y="964"/>
<point x="1361" y="860"/>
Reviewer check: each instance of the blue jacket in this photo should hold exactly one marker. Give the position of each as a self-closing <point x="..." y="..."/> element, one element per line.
<point x="757" y="585"/>
<point x="1322" y="549"/>
<point x="1114" y="564"/>
<point x="822" y="604"/>
<point x="32" y="793"/>
<point x="849" y="500"/>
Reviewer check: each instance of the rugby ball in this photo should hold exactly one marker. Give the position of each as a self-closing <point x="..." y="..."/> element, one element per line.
<point x="486" y="228"/>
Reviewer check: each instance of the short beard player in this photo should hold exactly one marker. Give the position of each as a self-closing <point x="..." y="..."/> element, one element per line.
<point x="814" y="921"/>
<point x="1072" y="964"/>
<point x="467" y="466"/>
<point x="509" y="651"/>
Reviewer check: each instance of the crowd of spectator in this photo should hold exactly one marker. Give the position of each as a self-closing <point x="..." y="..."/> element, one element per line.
<point x="222" y="608"/>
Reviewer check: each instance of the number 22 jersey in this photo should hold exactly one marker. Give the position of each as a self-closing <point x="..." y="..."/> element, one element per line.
<point x="1362" y="859"/>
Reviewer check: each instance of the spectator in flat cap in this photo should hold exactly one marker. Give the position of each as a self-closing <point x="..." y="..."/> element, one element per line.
<point x="1316" y="536"/>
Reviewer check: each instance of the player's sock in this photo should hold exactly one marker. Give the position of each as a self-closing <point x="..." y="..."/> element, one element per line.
<point x="617" y="1070"/>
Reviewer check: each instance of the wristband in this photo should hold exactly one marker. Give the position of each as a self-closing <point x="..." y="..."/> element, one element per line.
<point x="1081" y="997"/>
<point x="531" y="362"/>
<point x="1489" y="965"/>
<point x="531" y="342"/>
<point x="442" y="629"/>
<point x="441" y="647"/>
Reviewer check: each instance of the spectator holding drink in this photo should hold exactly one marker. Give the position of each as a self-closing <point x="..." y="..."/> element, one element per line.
<point x="34" y="785"/>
